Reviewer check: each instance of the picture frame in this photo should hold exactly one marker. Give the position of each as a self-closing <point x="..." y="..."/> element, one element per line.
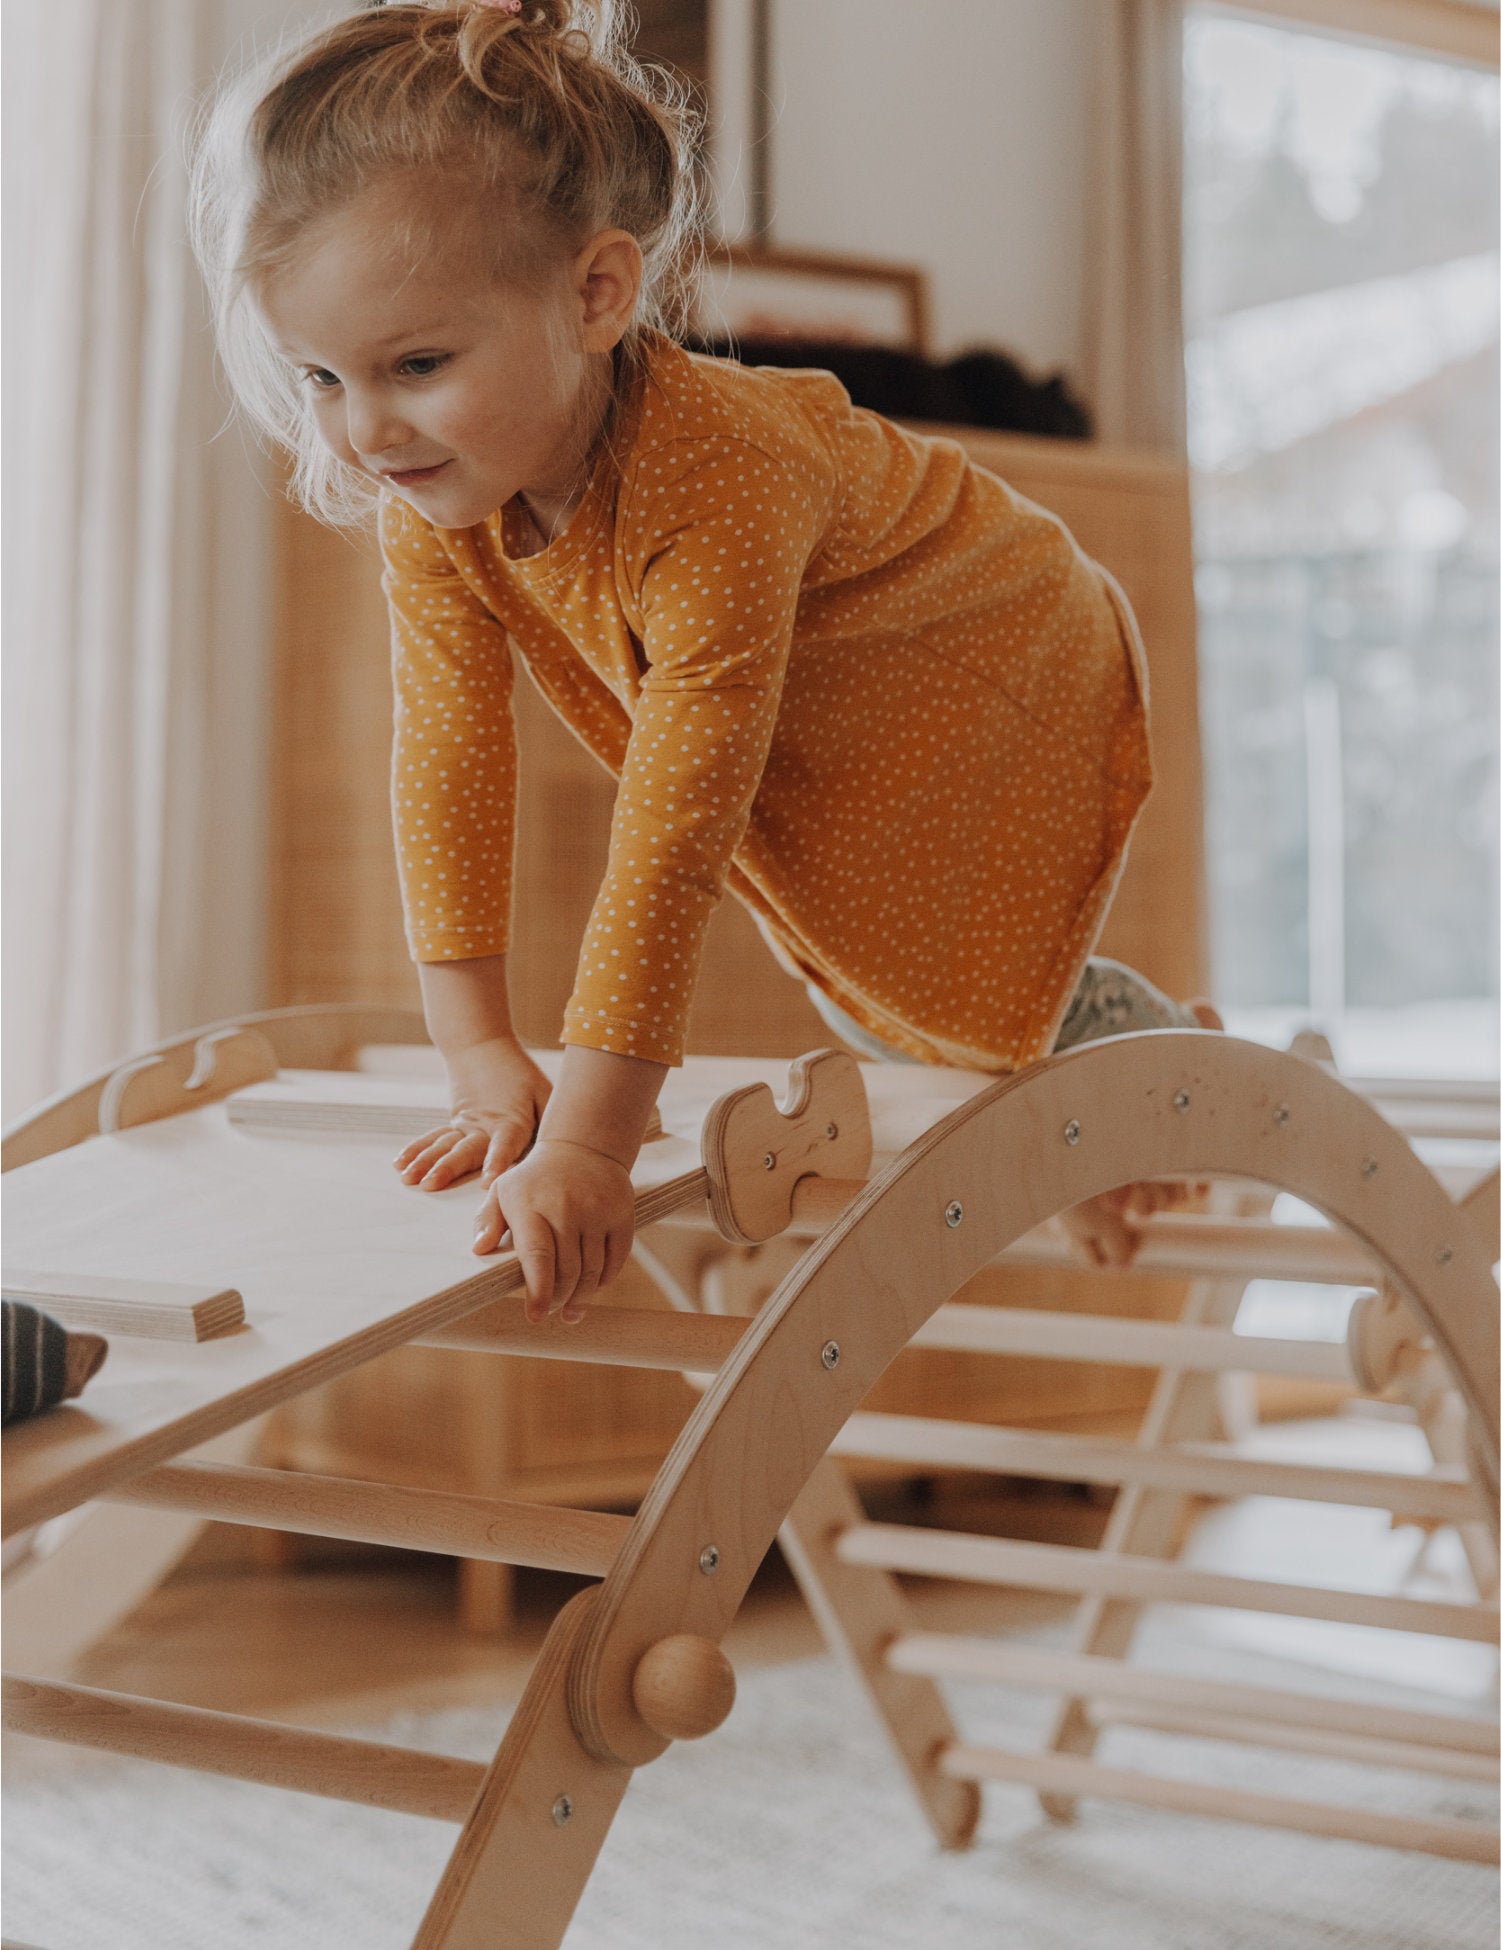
<point x="759" y="292"/>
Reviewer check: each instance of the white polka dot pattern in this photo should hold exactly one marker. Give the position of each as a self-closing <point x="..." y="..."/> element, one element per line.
<point x="834" y="666"/>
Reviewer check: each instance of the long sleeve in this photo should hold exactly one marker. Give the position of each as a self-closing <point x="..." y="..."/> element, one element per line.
<point x="715" y="564"/>
<point x="453" y="762"/>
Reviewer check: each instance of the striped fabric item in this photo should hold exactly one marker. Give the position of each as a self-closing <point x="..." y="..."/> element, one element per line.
<point x="43" y="1363"/>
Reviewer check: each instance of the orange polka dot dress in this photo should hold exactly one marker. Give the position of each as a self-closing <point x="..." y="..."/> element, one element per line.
<point x="834" y="666"/>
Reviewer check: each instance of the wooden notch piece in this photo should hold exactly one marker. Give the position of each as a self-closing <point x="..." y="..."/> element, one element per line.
<point x="153" y="1310"/>
<point x="341" y="1769"/>
<point x="1381" y="1330"/>
<point x="185" y="1078"/>
<point x="756" y="1150"/>
<point x="683" y="1687"/>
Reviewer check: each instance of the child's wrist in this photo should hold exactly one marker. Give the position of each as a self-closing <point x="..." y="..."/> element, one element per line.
<point x="579" y="1144"/>
<point x="498" y="1043"/>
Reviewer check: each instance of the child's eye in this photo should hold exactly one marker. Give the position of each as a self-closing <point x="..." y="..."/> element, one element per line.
<point x="321" y="379"/>
<point x="422" y="365"/>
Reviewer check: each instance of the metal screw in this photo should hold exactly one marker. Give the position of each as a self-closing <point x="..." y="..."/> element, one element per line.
<point x="1071" y="1131"/>
<point x="770" y="1160"/>
<point x="562" y="1810"/>
<point x="1281" y="1114"/>
<point x="1181" y="1101"/>
<point x="708" y="1560"/>
<point x="953" y="1214"/>
<point x="829" y="1354"/>
<point x="831" y="1130"/>
<point x="1368" y="1167"/>
<point x="1444" y="1255"/>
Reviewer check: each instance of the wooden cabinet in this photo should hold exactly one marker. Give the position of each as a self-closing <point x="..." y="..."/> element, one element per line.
<point x="523" y="1428"/>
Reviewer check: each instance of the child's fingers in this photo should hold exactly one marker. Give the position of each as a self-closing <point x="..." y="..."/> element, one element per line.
<point x="408" y="1152"/>
<point x="456" y="1159"/>
<point x="617" y="1250"/>
<point x="590" y="1273"/>
<point x="507" y="1146"/>
<point x="489" y="1225"/>
<point x="537" y="1250"/>
<point x="429" y="1155"/>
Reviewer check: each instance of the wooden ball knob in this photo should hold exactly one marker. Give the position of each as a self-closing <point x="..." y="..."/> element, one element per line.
<point x="683" y="1687"/>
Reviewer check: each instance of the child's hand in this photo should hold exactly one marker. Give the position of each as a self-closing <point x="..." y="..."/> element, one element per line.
<point x="497" y="1093"/>
<point x="571" y="1215"/>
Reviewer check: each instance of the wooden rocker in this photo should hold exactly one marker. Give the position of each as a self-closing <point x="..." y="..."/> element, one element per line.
<point x="334" y="1267"/>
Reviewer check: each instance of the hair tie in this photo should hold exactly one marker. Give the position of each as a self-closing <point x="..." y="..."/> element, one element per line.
<point x="500" y="6"/>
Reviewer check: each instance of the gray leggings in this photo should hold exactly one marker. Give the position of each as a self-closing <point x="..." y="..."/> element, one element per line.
<point x="1110" y="1000"/>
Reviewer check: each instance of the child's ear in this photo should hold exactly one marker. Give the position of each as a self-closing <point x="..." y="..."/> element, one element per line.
<point x="607" y="279"/>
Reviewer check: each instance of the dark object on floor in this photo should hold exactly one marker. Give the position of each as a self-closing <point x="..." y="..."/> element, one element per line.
<point x="977" y="389"/>
<point x="43" y="1363"/>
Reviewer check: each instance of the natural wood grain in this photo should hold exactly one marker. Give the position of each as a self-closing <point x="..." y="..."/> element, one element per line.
<point x="250" y="1750"/>
<point x="950" y="1656"/>
<point x="861" y="1614"/>
<point x="384" y="1513"/>
<point x="153" y="1310"/>
<point x="1063" y="1774"/>
<point x="1061" y="1567"/>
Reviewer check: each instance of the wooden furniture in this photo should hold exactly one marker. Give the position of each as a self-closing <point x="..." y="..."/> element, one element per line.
<point x="515" y="1429"/>
<point x="333" y="1271"/>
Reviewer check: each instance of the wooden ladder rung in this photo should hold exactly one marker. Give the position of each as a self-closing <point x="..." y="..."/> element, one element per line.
<point x="624" y="1337"/>
<point x="1199" y="1468"/>
<point x="1193" y="1243"/>
<point x="1130" y="1343"/>
<point x="1363" y="1748"/>
<point x="1066" y="1774"/>
<point x="535" y="1534"/>
<point x="435" y="1785"/>
<point x="1146" y="1580"/>
<point x="944" y="1655"/>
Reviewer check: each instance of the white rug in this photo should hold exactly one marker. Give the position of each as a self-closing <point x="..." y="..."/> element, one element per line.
<point x="788" y="1830"/>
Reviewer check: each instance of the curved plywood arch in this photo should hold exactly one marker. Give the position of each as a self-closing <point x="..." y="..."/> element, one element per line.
<point x="1166" y="1103"/>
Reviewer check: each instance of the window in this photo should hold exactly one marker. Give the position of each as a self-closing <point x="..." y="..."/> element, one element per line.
<point x="1341" y="318"/>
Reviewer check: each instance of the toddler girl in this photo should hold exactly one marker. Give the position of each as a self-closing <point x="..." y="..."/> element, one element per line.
<point x="834" y="666"/>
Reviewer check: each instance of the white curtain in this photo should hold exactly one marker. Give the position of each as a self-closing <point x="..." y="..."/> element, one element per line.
<point x="1133" y="362"/>
<point x="138" y="560"/>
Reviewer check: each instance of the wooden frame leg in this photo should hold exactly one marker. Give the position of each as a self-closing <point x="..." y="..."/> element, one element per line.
<point x="525" y="1854"/>
<point x="861" y="1610"/>
<point x="1185" y="1407"/>
<point x="487" y="1592"/>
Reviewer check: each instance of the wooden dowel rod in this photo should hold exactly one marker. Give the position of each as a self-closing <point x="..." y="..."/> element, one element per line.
<point x="1361" y="1747"/>
<point x="1200" y="1468"/>
<point x="1222" y="1249"/>
<point x="1131" y="1343"/>
<point x="1062" y="1567"/>
<point x="624" y="1337"/>
<point x="1427" y="1090"/>
<point x="1191" y="1243"/>
<point x="341" y="1769"/>
<point x="535" y="1534"/>
<point x="943" y="1655"/>
<point x="1419" y="1119"/>
<point x="1066" y="1774"/>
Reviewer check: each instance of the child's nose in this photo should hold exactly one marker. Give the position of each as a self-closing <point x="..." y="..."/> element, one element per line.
<point x="375" y="428"/>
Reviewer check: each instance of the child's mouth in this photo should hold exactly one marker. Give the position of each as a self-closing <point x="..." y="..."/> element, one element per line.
<point x="415" y="476"/>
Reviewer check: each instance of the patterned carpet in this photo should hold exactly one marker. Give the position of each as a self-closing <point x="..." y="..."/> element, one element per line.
<point x="788" y="1830"/>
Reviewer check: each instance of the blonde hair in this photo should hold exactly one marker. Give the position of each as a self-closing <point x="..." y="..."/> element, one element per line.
<point x="545" y="108"/>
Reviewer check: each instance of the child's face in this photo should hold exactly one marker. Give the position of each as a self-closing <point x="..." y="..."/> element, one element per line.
<point x="457" y="393"/>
